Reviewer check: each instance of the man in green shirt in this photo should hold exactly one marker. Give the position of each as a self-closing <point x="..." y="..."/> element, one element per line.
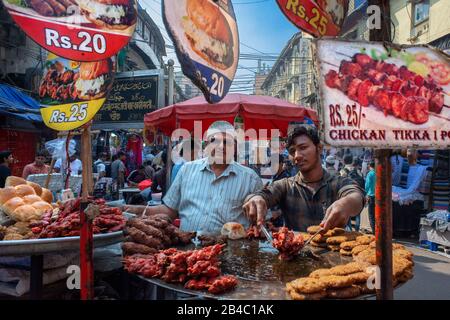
<point x="370" y="193"/>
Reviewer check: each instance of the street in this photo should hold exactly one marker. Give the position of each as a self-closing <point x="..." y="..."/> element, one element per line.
<point x="431" y="271"/>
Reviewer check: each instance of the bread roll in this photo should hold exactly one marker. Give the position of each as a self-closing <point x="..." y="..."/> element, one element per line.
<point x="233" y="230"/>
<point x="12" y="204"/>
<point x="24" y="190"/>
<point x="26" y="213"/>
<point x="42" y="206"/>
<point x="37" y="188"/>
<point x="31" y="198"/>
<point x="47" y="195"/>
<point x="13" y="181"/>
<point x="7" y="194"/>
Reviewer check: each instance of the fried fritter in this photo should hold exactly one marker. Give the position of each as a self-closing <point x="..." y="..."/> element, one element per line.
<point x="344" y="293"/>
<point x="307" y="296"/>
<point x="313" y="229"/>
<point x="337" y="240"/>
<point x="365" y="239"/>
<point x="334" y="232"/>
<point x="335" y="281"/>
<point x="345" y="252"/>
<point x="403" y="253"/>
<point x="396" y="246"/>
<point x="358" y="277"/>
<point x="406" y="275"/>
<point x="319" y="245"/>
<point x="334" y="248"/>
<point x="320" y="273"/>
<point x="307" y="285"/>
<point x="367" y="255"/>
<point x="345" y="269"/>
<point x="364" y="289"/>
<point x="356" y="250"/>
<point x="319" y="238"/>
<point x="349" y="245"/>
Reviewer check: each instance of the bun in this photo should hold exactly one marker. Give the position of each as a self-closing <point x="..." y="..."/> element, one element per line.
<point x="26" y="213"/>
<point x="233" y="230"/>
<point x="92" y="70"/>
<point x="208" y="17"/>
<point x="47" y="195"/>
<point x="31" y="198"/>
<point x="12" y="204"/>
<point x="13" y="181"/>
<point x="42" y="206"/>
<point x="7" y="194"/>
<point x="37" y="188"/>
<point x="24" y="190"/>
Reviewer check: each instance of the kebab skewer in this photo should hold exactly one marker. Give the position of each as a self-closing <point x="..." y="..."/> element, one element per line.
<point x="395" y="79"/>
<point x="410" y="108"/>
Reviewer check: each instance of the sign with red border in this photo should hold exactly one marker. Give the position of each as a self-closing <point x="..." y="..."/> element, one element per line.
<point x="81" y="30"/>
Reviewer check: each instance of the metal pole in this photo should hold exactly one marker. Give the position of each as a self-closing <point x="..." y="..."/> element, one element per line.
<point x="383" y="223"/>
<point x="86" y="237"/>
<point x="383" y="189"/>
<point x="170" y="63"/>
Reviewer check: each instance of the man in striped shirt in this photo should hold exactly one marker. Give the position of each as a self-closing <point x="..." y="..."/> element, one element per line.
<point x="209" y="192"/>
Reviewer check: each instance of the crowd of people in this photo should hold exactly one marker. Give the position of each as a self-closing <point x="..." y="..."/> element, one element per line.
<point x="309" y="186"/>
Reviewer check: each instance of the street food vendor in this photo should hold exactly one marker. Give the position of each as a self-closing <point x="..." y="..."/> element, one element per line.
<point x="313" y="194"/>
<point x="209" y="192"/>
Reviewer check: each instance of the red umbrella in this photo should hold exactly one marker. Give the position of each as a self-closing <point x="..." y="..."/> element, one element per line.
<point x="258" y="112"/>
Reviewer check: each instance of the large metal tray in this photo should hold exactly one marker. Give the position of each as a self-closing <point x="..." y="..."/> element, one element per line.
<point x="261" y="275"/>
<point x="42" y="246"/>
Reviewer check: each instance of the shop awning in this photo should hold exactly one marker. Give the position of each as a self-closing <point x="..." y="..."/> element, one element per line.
<point x="257" y="112"/>
<point x="14" y="103"/>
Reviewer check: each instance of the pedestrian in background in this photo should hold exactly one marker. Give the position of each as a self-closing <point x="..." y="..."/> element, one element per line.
<point x="370" y="193"/>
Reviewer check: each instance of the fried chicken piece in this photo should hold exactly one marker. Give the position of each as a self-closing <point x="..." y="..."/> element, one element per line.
<point x="334" y="232"/>
<point x="307" y="296"/>
<point x="358" y="277"/>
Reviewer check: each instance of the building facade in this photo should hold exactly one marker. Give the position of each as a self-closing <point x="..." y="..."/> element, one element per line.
<point x="147" y="47"/>
<point x="421" y="21"/>
<point x="291" y="77"/>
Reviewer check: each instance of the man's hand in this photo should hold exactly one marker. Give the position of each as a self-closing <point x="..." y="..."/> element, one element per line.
<point x="255" y="209"/>
<point x="138" y="210"/>
<point x="341" y="211"/>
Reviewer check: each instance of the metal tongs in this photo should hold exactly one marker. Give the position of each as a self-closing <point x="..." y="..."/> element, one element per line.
<point x="267" y="234"/>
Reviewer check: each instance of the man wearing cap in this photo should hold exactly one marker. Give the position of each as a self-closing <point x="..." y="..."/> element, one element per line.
<point x="6" y="160"/>
<point x="313" y="196"/>
<point x="209" y="192"/>
<point x="330" y="163"/>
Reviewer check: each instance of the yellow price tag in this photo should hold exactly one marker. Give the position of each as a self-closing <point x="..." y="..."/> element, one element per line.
<point x="72" y="115"/>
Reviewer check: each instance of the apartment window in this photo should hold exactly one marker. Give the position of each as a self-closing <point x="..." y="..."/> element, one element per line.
<point x="421" y="11"/>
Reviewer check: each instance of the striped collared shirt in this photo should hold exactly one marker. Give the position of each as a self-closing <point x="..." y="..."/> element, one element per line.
<point x="205" y="202"/>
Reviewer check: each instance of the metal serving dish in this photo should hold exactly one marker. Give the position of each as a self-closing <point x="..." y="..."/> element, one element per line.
<point x="42" y="246"/>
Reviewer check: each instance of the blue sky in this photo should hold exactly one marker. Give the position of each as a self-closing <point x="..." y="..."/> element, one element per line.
<point x="261" y="24"/>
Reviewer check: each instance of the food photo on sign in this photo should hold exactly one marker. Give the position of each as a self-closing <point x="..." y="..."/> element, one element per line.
<point x="206" y="40"/>
<point x="82" y="30"/>
<point x="376" y="95"/>
<point x="72" y="92"/>
<point x="318" y="18"/>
